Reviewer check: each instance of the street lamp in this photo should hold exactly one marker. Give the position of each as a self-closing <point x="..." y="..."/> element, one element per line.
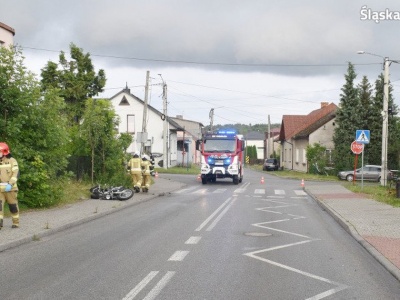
<point x="385" y="115"/>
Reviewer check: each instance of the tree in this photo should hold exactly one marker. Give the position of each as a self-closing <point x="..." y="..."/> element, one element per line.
<point x="347" y="121"/>
<point x="99" y="136"/>
<point x="76" y="79"/>
<point x="37" y="142"/>
<point x="316" y="158"/>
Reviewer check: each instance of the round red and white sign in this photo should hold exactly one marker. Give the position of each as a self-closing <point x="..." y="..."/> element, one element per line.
<point x="357" y="148"/>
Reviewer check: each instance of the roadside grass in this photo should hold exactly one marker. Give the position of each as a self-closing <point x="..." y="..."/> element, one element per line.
<point x="193" y="170"/>
<point x="372" y="190"/>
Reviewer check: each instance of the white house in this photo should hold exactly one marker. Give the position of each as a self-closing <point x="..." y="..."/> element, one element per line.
<point x="6" y="35"/>
<point x="130" y="110"/>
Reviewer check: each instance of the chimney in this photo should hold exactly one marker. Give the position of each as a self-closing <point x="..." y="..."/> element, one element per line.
<point x="323" y="104"/>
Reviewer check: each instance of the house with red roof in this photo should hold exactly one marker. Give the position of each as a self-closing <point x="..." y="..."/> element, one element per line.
<point x="299" y="131"/>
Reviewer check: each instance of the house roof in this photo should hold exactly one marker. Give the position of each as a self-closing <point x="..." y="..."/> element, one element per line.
<point x="170" y="120"/>
<point x="254" y="135"/>
<point x="298" y="126"/>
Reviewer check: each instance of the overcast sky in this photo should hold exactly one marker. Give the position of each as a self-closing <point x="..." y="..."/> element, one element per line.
<point x="246" y="59"/>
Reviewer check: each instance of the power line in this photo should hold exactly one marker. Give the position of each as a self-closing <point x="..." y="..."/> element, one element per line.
<point x="205" y="62"/>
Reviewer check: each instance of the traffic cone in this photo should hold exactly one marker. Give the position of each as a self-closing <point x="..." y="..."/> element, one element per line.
<point x="302" y="183"/>
<point x="156" y="175"/>
<point x="262" y="179"/>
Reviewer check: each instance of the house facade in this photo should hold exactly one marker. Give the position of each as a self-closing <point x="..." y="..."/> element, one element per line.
<point x="130" y="110"/>
<point x="256" y="138"/>
<point x="299" y="131"/>
<point x="6" y="35"/>
<point x="272" y="146"/>
<point x="187" y="153"/>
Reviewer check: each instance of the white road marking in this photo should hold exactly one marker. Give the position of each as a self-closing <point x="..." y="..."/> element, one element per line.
<point x="160" y="285"/>
<point x="217" y="191"/>
<point x="186" y="189"/>
<point x="178" y="256"/>
<point x="136" y="290"/>
<point x="220" y="216"/>
<point x="319" y="296"/>
<point x="200" y="191"/>
<point x="300" y="193"/>
<point x="339" y="287"/>
<point x="259" y="191"/>
<point x="243" y="188"/>
<point x="193" y="240"/>
<point x="279" y="192"/>
<point x="212" y="215"/>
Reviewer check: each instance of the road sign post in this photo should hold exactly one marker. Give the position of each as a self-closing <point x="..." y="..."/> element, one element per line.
<point x="358" y="148"/>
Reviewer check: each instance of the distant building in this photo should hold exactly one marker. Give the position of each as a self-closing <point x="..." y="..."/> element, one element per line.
<point x="256" y="138"/>
<point x="6" y="35"/>
<point x="299" y="131"/>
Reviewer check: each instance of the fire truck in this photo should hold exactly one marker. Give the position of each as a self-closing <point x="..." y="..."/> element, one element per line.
<point x="222" y="156"/>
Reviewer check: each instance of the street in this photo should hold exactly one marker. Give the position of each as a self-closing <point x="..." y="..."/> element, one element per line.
<point x="214" y="241"/>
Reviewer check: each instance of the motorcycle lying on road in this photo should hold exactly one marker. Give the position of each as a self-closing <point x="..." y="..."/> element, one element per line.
<point x="111" y="193"/>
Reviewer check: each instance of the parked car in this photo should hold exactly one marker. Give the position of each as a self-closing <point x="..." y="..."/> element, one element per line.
<point x="368" y="172"/>
<point x="271" y="164"/>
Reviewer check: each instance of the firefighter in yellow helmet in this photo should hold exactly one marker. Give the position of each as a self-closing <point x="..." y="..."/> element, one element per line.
<point x="146" y="174"/>
<point x="8" y="184"/>
<point x="135" y="168"/>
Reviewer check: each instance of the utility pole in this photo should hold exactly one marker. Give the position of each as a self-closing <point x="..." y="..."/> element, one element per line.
<point x="211" y="115"/>
<point x="165" y="125"/>
<point x="385" y="123"/>
<point x="269" y="138"/>
<point x="144" y="122"/>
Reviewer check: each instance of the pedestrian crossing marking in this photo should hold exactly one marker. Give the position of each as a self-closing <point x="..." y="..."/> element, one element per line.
<point x="279" y="192"/>
<point x="300" y="193"/>
<point x="259" y="191"/>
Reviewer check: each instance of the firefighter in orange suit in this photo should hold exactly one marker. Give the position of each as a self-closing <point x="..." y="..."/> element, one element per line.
<point x="135" y="168"/>
<point x="146" y="174"/>
<point x="8" y="184"/>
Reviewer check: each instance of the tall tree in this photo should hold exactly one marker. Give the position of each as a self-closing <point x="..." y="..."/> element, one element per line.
<point x="107" y="149"/>
<point x="377" y="122"/>
<point x="76" y="79"/>
<point x="347" y="121"/>
<point x="27" y="125"/>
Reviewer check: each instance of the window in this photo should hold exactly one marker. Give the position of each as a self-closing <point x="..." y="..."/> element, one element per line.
<point x="297" y="155"/>
<point x="130" y="124"/>
<point x="304" y="156"/>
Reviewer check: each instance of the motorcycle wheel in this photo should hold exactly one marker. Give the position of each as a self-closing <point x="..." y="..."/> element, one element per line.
<point x="125" y="194"/>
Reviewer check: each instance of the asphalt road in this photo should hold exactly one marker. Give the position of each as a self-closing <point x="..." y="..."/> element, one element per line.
<point x="213" y="241"/>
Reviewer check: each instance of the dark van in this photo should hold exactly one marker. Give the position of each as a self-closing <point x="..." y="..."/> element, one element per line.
<point x="271" y="164"/>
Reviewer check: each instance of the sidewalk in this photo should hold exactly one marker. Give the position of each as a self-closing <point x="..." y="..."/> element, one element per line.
<point x="374" y="225"/>
<point x="37" y="224"/>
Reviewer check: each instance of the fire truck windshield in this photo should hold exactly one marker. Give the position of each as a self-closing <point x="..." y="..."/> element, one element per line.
<point x="215" y="145"/>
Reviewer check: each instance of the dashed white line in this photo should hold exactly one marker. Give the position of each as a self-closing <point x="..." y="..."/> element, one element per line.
<point x="178" y="256"/>
<point x="193" y="240"/>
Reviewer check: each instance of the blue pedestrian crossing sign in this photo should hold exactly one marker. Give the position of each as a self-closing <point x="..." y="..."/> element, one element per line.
<point x="362" y="136"/>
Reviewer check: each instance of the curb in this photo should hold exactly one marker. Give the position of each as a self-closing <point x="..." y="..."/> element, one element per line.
<point x="354" y="233"/>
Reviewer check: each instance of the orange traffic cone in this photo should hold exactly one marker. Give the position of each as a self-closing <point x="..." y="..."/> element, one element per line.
<point x="262" y="179"/>
<point x="302" y="183"/>
<point x="198" y="177"/>
<point x="156" y="175"/>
